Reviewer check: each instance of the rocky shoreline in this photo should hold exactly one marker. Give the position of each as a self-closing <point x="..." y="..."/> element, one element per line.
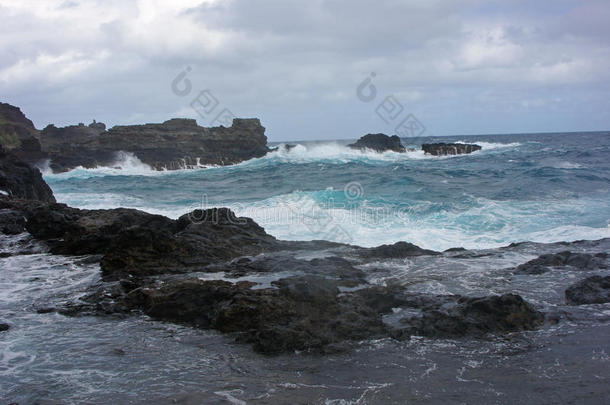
<point x="177" y="143"/>
<point x="174" y="144"/>
<point x="210" y="269"/>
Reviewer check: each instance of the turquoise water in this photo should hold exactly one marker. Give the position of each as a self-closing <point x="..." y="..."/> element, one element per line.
<point x="538" y="187"/>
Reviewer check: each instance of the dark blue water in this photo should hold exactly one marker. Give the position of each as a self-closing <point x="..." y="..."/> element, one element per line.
<point x="542" y="187"/>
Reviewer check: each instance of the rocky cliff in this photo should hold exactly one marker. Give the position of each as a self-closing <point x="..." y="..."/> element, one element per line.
<point x="18" y="134"/>
<point x="173" y="144"/>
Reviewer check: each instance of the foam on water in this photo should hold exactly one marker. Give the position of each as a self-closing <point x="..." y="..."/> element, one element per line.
<point x="127" y="164"/>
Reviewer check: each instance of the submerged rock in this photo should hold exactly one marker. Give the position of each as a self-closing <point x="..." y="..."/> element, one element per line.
<point x="592" y="290"/>
<point x="4" y="327"/>
<point x="379" y="143"/>
<point x="442" y="149"/>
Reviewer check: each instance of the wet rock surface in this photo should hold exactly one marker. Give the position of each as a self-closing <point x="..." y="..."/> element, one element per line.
<point x="581" y="261"/>
<point x="443" y="149"/>
<point x="592" y="290"/>
<point x="379" y="143"/>
<point x="20" y="180"/>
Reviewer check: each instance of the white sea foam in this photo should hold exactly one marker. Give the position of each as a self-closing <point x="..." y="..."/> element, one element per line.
<point x="487" y="224"/>
<point x="301" y="216"/>
<point x="127" y="164"/>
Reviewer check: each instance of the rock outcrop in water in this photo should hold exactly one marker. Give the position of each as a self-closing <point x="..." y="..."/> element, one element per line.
<point x="379" y="143"/>
<point x="443" y="149"/>
<point x="174" y="144"/>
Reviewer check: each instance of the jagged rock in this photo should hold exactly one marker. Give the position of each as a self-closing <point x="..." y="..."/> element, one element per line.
<point x="442" y="149"/>
<point x="398" y="250"/>
<point x="20" y="180"/>
<point x="190" y="243"/>
<point x="379" y="143"/>
<point x="174" y="144"/>
<point x="582" y="261"/>
<point x="592" y="290"/>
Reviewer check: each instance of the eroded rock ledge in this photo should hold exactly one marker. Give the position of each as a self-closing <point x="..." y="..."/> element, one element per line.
<point x="174" y="144"/>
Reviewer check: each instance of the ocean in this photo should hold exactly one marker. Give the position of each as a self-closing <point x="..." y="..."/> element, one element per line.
<point x="530" y="187"/>
<point x="527" y="187"/>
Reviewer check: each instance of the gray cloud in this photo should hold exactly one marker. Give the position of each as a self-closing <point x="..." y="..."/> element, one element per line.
<point x="462" y="66"/>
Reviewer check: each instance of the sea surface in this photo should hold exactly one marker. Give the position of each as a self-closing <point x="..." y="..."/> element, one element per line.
<point x="540" y="188"/>
<point x="543" y="188"/>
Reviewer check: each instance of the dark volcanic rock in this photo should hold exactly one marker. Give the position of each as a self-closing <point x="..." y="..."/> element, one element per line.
<point x="20" y="180"/>
<point x="12" y="222"/>
<point x="475" y="316"/>
<point x="4" y="327"/>
<point x="592" y="290"/>
<point x="442" y="149"/>
<point x="582" y="261"/>
<point x="18" y="134"/>
<point x="398" y="250"/>
<point x="174" y="144"/>
<point x="189" y="244"/>
<point x="379" y="143"/>
<point x="302" y="314"/>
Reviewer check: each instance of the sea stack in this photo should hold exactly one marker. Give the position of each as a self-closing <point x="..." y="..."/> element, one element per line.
<point x="379" y="143"/>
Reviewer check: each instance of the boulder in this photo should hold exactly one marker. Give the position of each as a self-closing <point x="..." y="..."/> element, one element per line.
<point x="592" y="290"/>
<point x="379" y="143"/>
<point x="443" y="149"/>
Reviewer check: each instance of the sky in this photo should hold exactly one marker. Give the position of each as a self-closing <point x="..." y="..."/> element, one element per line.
<point x="312" y="69"/>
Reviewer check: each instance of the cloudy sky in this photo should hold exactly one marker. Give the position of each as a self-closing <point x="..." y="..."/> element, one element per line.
<point x="458" y="66"/>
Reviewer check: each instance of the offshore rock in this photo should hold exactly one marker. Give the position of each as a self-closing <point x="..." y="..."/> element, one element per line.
<point x="379" y="143"/>
<point x="443" y="149"/>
